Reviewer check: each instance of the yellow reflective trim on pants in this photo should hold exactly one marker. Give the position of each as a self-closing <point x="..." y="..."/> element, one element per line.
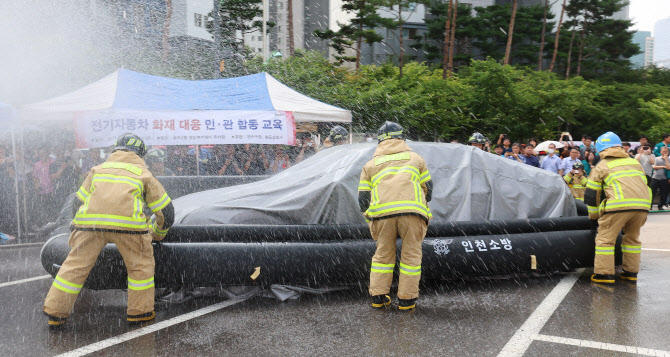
<point x="605" y="250"/>
<point x="140" y="284"/>
<point x="410" y="270"/>
<point x="382" y="268"/>
<point x="66" y="286"/>
<point x="635" y="249"/>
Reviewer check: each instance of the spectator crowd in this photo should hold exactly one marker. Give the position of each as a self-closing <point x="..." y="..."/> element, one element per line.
<point x="50" y="175"/>
<point x="578" y="160"/>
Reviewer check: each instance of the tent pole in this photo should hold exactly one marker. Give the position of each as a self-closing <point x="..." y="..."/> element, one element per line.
<point x="16" y="186"/>
<point x="351" y="134"/>
<point x="23" y="172"/>
<point x="197" y="160"/>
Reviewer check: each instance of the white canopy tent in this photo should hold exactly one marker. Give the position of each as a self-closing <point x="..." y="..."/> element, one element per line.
<point x="128" y="90"/>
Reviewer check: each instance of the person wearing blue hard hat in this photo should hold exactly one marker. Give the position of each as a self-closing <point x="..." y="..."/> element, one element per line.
<point x="618" y="198"/>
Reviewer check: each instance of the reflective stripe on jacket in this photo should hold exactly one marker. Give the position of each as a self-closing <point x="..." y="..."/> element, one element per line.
<point x="115" y="193"/>
<point x="397" y="179"/>
<point x="577" y="185"/>
<point x="617" y="183"/>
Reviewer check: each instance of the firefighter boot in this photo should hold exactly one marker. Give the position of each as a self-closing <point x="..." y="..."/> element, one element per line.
<point x="632" y="277"/>
<point x="55" y="322"/>
<point x="136" y="319"/>
<point x="406" y="305"/>
<point x="381" y="301"/>
<point x="602" y="278"/>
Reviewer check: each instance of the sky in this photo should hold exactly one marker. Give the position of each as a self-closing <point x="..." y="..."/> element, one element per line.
<point x="645" y="13"/>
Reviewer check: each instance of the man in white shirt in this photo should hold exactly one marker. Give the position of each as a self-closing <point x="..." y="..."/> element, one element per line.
<point x="552" y="162"/>
<point x="646" y="159"/>
<point x="567" y="163"/>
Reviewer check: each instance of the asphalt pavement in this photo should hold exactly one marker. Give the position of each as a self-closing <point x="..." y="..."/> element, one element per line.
<point x="543" y="315"/>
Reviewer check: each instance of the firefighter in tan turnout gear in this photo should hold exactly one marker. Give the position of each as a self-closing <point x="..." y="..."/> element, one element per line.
<point x="393" y="192"/>
<point x="617" y="196"/>
<point x="113" y="196"/>
<point x="576" y="180"/>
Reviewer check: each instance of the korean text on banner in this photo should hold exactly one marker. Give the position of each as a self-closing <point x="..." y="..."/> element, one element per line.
<point x="198" y="127"/>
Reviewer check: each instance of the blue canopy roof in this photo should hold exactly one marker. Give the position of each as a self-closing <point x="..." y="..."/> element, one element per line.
<point x="125" y="89"/>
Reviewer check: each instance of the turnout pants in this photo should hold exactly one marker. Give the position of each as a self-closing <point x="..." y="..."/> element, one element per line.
<point x="609" y="226"/>
<point x="138" y="256"/>
<point x="412" y="230"/>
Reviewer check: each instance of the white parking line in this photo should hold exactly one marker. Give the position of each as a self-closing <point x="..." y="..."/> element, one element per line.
<point x="523" y="337"/>
<point x="657" y="250"/>
<point x="21" y="245"/>
<point x="94" y="347"/>
<point x="15" y="282"/>
<point x="601" y="345"/>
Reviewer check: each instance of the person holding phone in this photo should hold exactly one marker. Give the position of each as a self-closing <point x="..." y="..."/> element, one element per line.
<point x="576" y="180"/>
<point x="646" y="158"/>
<point x="506" y="144"/>
<point x="568" y="139"/>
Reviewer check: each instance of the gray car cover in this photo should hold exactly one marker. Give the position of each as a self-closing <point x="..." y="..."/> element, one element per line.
<point x="469" y="185"/>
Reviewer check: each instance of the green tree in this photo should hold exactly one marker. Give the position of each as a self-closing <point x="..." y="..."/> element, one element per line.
<point x="237" y="16"/>
<point x="488" y="29"/>
<point x="433" y="41"/>
<point x="359" y="29"/>
<point x="604" y="44"/>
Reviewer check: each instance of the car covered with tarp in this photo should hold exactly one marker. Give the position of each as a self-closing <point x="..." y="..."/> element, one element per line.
<point x="491" y="216"/>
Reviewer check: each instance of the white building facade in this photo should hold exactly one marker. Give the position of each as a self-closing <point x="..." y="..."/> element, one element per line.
<point x="662" y="43"/>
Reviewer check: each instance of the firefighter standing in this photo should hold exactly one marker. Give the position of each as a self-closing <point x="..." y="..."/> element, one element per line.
<point x="113" y="196"/>
<point x="617" y="196"/>
<point x="576" y="180"/>
<point x="393" y="192"/>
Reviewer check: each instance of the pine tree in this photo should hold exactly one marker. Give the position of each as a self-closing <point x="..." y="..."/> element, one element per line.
<point x="488" y="29"/>
<point x="361" y="28"/>
<point x="238" y="16"/>
<point x="433" y="42"/>
<point x="510" y="32"/>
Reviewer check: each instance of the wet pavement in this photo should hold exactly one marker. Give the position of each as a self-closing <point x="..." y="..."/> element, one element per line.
<point x="474" y="317"/>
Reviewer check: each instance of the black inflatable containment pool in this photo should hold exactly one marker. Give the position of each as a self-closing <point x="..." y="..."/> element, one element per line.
<point x="322" y="255"/>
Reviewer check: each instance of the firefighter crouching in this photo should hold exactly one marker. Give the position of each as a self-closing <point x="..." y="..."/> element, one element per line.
<point x="617" y="196"/>
<point x="393" y="192"/>
<point x="113" y="196"/>
<point x="576" y="180"/>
